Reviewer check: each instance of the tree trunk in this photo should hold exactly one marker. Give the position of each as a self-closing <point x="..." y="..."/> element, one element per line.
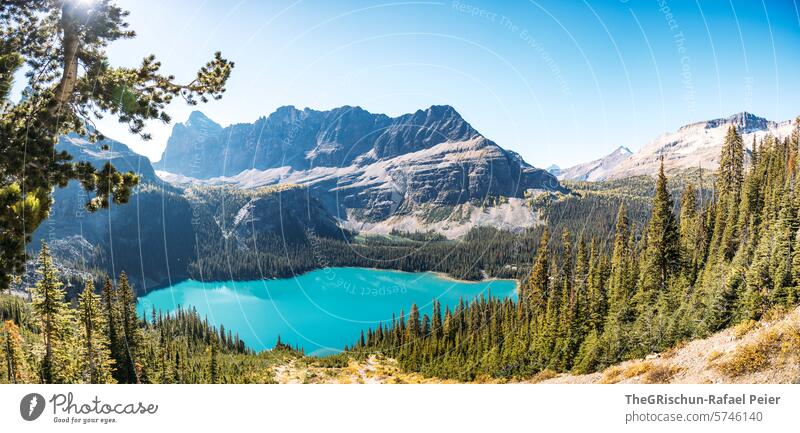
<point x="70" y="45"/>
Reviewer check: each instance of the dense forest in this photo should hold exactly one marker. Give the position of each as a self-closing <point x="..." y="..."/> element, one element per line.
<point x="684" y="275"/>
<point x="289" y="233"/>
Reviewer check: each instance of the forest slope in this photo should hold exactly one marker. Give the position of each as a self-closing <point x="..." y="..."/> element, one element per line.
<point x="751" y="352"/>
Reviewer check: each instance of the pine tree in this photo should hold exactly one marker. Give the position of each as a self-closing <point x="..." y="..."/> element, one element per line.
<point x="51" y="309"/>
<point x="436" y="320"/>
<point x="114" y="332"/>
<point x="131" y="337"/>
<point x="622" y="280"/>
<point x="689" y="232"/>
<point x="65" y="43"/>
<point x="214" y="364"/>
<point x="661" y="258"/>
<point x="413" y="327"/>
<point x="730" y="173"/>
<point x="596" y="297"/>
<point x="730" y="177"/>
<point x="536" y="291"/>
<point x="781" y="256"/>
<point x="581" y="290"/>
<point x="794" y="295"/>
<point x="96" y="361"/>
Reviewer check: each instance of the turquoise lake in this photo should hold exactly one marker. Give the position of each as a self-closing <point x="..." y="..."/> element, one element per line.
<point x="320" y="311"/>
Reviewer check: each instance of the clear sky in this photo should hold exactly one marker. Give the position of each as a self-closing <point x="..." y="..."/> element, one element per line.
<point x="558" y="81"/>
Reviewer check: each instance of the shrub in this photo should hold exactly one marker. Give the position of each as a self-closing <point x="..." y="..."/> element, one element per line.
<point x="637" y="369"/>
<point x="543" y="375"/>
<point x="790" y="346"/>
<point x="333" y="361"/>
<point x="744" y="328"/>
<point x="714" y="355"/>
<point x="612" y="374"/>
<point x="752" y="357"/>
<point x="661" y="374"/>
<point x="672" y="351"/>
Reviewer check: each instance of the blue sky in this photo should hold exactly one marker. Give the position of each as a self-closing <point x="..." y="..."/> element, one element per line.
<point x="558" y="81"/>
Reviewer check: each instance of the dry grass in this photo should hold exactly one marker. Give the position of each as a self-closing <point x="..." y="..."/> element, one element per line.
<point x="790" y="342"/>
<point x="612" y="374"/>
<point x="646" y="371"/>
<point x="775" y="313"/>
<point x="661" y="374"/>
<point x="778" y="344"/>
<point x="744" y="328"/>
<point x="543" y="375"/>
<point x="713" y="356"/>
<point x="637" y="369"/>
<point x="672" y="351"/>
<point x="746" y="359"/>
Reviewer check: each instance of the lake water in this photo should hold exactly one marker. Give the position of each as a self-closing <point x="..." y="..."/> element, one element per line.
<point x="320" y="311"/>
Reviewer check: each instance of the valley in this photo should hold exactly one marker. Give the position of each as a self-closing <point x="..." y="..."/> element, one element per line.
<point x="319" y="312"/>
<point x="592" y="282"/>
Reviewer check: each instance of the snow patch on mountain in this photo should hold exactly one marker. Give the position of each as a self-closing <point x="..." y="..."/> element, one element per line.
<point x="597" y="169"/>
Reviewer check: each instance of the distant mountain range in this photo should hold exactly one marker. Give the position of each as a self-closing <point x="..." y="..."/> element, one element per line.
<point x="597" y="169"/>
<point x="366" y="168"/>
<point x="696" y="145"/>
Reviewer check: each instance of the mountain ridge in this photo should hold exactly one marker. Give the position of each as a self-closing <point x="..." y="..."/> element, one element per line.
<point x="363" y="166"/>
<point x="595" y="170"/>
<point x="691" y="146"/>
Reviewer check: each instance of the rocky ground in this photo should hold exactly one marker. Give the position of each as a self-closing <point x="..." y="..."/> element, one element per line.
<point x="372" y="370"/>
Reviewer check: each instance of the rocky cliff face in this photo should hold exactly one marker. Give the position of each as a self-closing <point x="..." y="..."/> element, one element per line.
<point x="356" y="162"/>
<point x="302" y="139"/>
<point x="150" y="237"/>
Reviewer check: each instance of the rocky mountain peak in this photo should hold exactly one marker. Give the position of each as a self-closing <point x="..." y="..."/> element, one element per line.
<point x="198" y="120"/>
<point x="597" y="169"/>
<point x="356" y="160"/>
<point x="622" y="150"/>
<point x="744" y="121"/>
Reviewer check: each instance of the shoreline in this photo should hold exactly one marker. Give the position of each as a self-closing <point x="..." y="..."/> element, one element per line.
<point x="439" y="274"/>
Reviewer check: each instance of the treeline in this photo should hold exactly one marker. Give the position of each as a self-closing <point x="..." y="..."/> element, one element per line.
<point x="496" y="253"/>
<point x="685" y="275"/>
<point x="484" y="251"/>
<point x="99" y="338"/>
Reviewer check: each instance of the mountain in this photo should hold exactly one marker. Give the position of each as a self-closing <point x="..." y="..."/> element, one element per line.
<point x="108" y="150"/>
<point x="304" y="139"/>
<point x="364" y="167"/>
<point x="428" y="170"/>
<point x="150" y="237"/>
<point x="696" y="145"/>
<point x="554" y="170"/>
<point x="597" y="169"/>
